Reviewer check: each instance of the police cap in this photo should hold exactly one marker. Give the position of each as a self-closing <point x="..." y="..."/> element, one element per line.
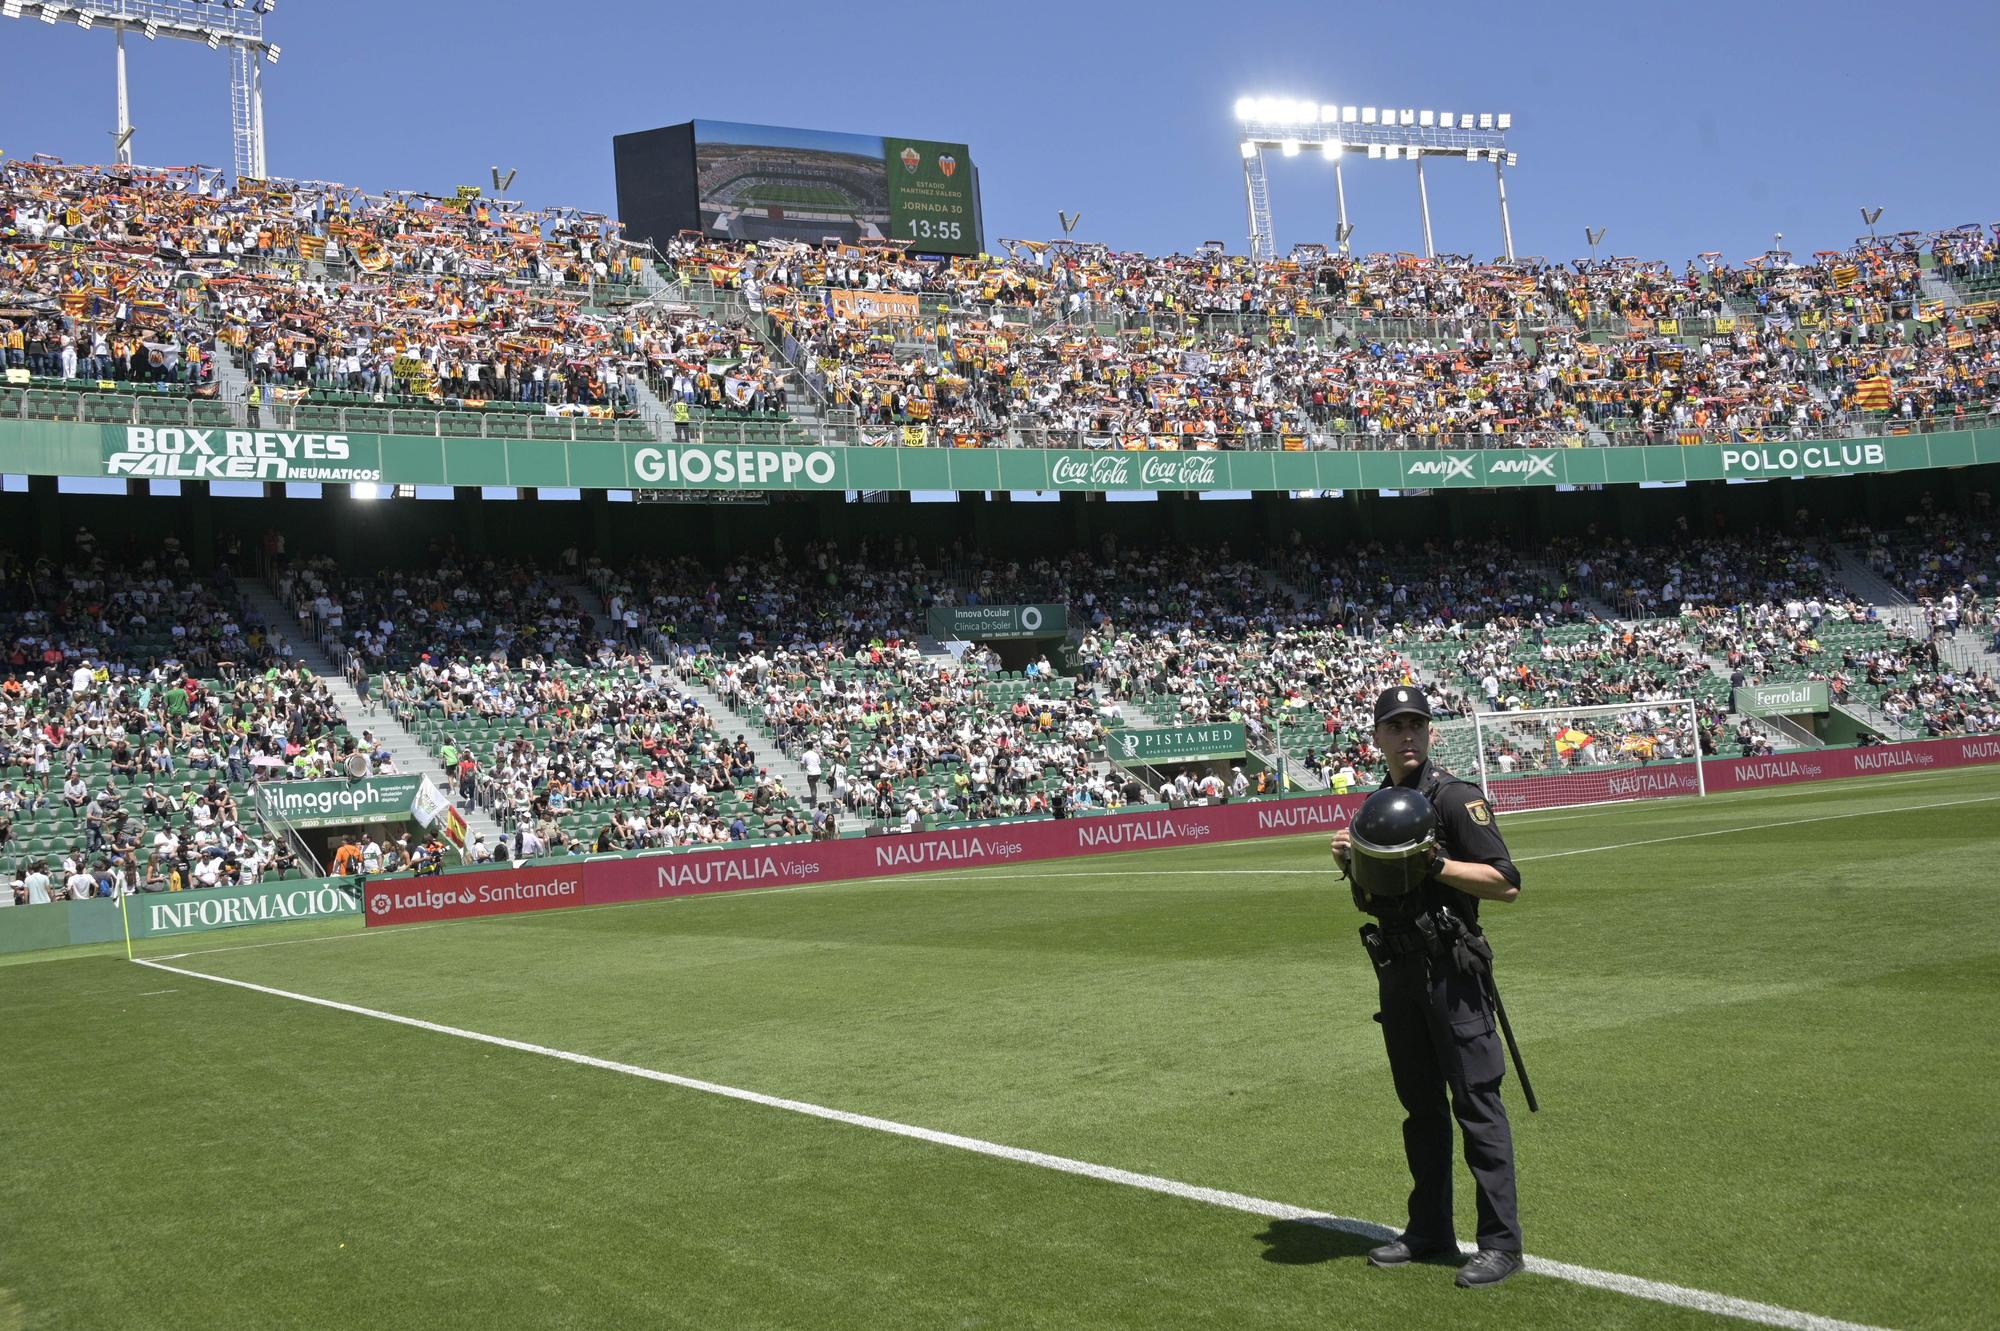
<point x="1403" y="698"/>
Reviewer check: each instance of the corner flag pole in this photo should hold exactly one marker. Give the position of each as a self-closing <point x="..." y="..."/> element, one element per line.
<point x="125" y="918"/>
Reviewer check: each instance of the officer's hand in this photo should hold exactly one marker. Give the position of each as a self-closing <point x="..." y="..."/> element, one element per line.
<point x="1340" y="840"/>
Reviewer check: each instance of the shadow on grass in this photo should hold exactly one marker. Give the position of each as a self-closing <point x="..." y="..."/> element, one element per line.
<point x="1302" y="1243"/>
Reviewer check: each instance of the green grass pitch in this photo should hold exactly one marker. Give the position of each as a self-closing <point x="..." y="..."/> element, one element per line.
<point x="1760" y="1025"/>
<point x="767" y="194"/>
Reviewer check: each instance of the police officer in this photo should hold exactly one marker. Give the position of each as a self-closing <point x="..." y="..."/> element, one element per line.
<point x="1437" y="1008"/>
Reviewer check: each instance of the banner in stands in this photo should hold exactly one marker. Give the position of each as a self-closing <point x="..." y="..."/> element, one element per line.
<point x="981" y="623"/>
<point x="330" y="803"/>
<point x="868" y="306"/>
<point x="1179" y="744"/>
<point x="50" y="448"/>
<point x="1808" y="695"/>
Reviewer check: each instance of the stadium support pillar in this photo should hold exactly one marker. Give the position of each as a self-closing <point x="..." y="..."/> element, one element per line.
<point x="1506" y="226"/>
<point x="198" y="522"/>
<point x="467" y="502"/>
<point x="48" y="508"/>
<point x="601" y="540"/>
<point x="1424" y="201"/>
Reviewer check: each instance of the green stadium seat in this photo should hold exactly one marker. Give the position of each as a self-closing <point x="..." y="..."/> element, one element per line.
<point x="413" y="422"/>
<point x="48" y="404"/>
<point x="507" y="426"/>
<point x="162" y="411"/>
<point x="548" y="427"/>
<point x="459" y="424"/>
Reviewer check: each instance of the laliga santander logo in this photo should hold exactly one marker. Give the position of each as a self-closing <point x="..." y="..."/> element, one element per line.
<point x="1091" y="471"/>
<point x="947" y="164"/>
<point x="912" y="159"/>
<point x="379" y="903"/>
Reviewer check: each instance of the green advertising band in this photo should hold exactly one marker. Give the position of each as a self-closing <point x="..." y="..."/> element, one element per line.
<point x="1180" y="744"/>
<point x="39" y="448"/>
<point x="1783" y="699"/>
<point x="982" y="623"/>
<point x="335" y="803"/>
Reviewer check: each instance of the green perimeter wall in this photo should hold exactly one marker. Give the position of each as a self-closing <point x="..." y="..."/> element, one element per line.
<point x="42" y="448"/>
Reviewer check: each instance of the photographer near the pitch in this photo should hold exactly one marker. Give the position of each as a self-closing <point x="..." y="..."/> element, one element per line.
<point x="1434" y="969"/>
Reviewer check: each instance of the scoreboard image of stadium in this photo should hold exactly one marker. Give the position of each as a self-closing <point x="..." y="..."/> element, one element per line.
<point x="766" y="182"/>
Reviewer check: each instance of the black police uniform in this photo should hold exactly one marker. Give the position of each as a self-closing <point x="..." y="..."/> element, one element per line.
<point x="1438" y="1023"/>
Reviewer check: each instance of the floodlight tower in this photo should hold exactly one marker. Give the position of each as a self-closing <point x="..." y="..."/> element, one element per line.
<point x="1383" y="133"/>
<point x="238" y="24"/>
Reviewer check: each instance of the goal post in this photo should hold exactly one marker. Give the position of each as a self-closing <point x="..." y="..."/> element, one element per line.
<point x="1561" y="757"/>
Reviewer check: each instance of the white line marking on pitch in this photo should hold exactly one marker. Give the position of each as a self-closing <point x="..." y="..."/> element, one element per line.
<point x="155" y="993"/>
<point x="1680" y="1296"/>
<point x="1760" y="827"/>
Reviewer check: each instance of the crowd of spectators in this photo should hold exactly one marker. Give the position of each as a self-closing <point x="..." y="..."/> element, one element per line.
<point x="572" y="760"/>
<point x="453" y="607"/>
<point x="132" y="273"/>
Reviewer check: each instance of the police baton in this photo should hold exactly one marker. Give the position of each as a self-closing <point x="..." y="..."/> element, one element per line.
<point x="1513" y="1050"/>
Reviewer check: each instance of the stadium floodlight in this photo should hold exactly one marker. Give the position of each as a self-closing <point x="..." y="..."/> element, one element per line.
<point x="265" y="6"/>
<point x="84" y="18"/>
<point x="1513" y="159"/>
<point x="213" y="38"/>
<point x="52" y="13"/>
<point x="10" y="8"/>
<point x="152" y="30"/>
<point x="271" y="53"/>
<point x="1504" y="120"/>
<point x="1290" y="126"/>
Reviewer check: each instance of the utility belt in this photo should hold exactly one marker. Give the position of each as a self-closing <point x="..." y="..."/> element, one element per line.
<point x="1435" y="934"/>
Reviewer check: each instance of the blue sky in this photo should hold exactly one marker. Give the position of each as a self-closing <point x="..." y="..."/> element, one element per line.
<point x="1681" y="128"/>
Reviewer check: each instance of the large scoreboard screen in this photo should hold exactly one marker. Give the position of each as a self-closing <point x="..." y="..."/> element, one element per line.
<point x="765" y="182"/>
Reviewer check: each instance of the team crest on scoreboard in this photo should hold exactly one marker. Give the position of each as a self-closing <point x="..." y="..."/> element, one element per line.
<point x="1480" y="813"/>
<point x="912" y="159"/>
<point x="947" y="164"/>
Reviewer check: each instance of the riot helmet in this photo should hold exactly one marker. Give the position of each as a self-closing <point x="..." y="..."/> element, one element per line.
<point x="1393" y="841"/>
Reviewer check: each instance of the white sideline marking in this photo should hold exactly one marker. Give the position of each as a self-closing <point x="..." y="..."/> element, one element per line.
<point x="155" y="993"/>
<point x="1760" y="827"/>
<point x="1680" y="1296"/>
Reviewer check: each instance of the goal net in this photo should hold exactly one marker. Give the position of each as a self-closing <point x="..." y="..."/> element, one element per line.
<point x="1557" y="757"/>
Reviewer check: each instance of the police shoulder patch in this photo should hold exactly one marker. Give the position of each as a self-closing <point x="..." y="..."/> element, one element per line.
<point x="1480" y="813"/>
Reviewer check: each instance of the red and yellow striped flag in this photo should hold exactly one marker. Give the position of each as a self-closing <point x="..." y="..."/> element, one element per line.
<point x="1872" y="394"/>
